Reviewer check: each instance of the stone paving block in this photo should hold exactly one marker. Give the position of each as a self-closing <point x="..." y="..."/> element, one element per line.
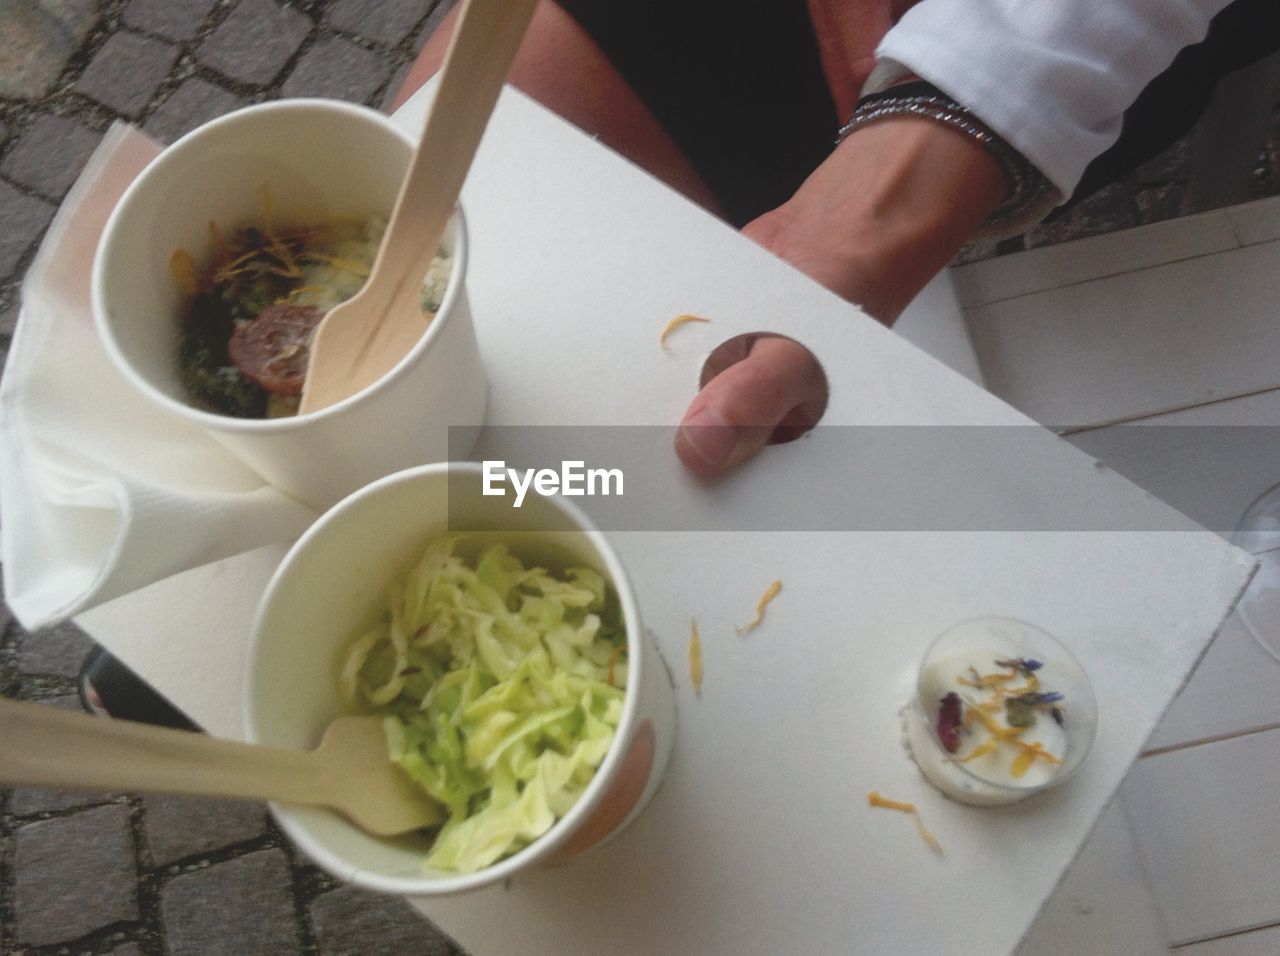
<point x="383" y="21"/>
<point x="255" y="41"/>
<point x="338" y="69"/>
<point x="1173" y="162"/>
<point x="1162" y="202"/>
<point x="352" y="922"/>
<point x="8" y="325"/>
<point x="128" y="949"/>
<point x="1107" y="210"/>
<point x="438" y="12"/>
<point x="50" y="155"/>
<point x="179" y="827"/>
<point x="243" y="907"/>
<point x="191" y="104"/>
<point x="28" y="801"/>
<point x="76" y="17"/>
<point x="127" y="71"/>
<point x="54" y="651"/>
<point x="39" y="39"/>
<point x="172" y="19"/>
<point x="74" y="875"/>
<point x="25" y="219"/>
<point x="5" y="614"/>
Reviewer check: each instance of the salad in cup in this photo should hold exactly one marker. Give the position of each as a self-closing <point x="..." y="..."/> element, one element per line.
<point x="500" y="685"/>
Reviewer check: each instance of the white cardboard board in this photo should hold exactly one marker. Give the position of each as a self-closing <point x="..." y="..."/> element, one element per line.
<point x="760" y="839"/>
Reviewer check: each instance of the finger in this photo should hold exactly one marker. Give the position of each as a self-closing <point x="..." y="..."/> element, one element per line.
<point x="778" y="383"/>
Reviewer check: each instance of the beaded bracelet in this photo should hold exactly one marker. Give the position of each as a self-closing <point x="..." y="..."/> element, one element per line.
<point x="1031" y="196"/>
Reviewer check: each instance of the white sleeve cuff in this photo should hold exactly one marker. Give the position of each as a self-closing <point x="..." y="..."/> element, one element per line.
<point x="1051" y="77"/>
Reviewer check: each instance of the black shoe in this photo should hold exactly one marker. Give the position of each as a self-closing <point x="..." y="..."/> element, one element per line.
<point x="110" y="689"/>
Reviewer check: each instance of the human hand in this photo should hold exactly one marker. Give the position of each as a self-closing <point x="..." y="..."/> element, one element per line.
<point x="873" y="223"/>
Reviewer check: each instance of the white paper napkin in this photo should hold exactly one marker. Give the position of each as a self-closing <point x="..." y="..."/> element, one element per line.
<point x="100" y="493"/>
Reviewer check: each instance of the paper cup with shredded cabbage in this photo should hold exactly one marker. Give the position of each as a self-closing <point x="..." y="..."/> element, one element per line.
<point x="507" y="662"/>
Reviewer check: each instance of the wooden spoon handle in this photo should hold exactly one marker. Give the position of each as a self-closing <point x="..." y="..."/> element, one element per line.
<point x="362" y="339"/>
<point x="44" y="746"/>
<point x="480" y="54"/>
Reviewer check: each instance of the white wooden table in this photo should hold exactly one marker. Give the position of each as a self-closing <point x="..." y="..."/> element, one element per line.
<point x="1171" y="325"/>
<point x="760" y="839"/>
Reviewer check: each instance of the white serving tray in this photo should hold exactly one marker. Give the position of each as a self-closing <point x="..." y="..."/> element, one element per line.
<point x="760" y="839"/>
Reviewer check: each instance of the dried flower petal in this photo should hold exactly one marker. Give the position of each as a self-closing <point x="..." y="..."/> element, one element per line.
<point x="949" y="722"/>
<point x="1019" y="712"/>
<point x="1026" y="665"/>
<point x="1042" y="698"/>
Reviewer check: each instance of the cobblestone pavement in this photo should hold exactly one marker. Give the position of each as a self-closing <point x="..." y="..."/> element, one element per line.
<point x="118" y="873"/>
<point x="126" y="875"/>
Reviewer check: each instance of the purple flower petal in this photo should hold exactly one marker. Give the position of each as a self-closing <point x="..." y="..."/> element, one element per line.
<point x="949" y="722"/>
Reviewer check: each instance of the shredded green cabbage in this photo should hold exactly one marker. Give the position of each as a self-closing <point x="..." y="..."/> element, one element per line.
<point x="500" y="688"/>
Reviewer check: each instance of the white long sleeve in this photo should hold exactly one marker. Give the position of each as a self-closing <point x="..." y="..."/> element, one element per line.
<point x="1052" y="77"/>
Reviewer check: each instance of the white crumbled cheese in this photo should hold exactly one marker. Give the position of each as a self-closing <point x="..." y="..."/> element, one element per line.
<point x="436" y="282"/>
<point x="325" y="284"/>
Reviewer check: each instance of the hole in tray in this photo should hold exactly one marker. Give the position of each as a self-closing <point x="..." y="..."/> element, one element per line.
<point x="802" y="417"/>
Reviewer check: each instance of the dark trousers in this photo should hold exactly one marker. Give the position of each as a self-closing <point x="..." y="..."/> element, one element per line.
<point x="738" y="85"/>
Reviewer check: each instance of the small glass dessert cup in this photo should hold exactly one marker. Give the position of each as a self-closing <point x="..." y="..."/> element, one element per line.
<point x="1002" y="711"/>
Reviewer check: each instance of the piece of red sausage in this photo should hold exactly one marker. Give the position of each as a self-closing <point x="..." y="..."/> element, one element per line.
<point x="273" y="349"/>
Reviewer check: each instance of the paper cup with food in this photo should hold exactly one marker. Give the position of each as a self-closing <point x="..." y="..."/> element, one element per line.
<point x="1002" y="711"/>
<point x="517" y="687"/>
<point x="222" y="257"/>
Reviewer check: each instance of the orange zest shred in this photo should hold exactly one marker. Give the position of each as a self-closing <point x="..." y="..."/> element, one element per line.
<point x="228" y="269"/>
<point x="770" y="593"/>
<point x="875" y="800"/>
<point x="182" y="266"/>
<point x="695" y="656"/>
<point x="275" y="246"/>
<point x="674" y="324"/>
<point x="613" y="663"/>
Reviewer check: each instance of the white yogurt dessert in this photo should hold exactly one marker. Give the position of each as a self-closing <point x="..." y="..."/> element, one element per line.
<point x="1002" y="711"/>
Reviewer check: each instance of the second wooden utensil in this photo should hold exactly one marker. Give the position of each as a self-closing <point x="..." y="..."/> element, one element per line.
<point x="43" y="746"/>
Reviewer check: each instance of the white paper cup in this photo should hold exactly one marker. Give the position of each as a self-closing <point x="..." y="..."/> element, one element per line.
<point x="987" y="780"/>
<point x="333" y="584"/>
<point x="319" y="160"/>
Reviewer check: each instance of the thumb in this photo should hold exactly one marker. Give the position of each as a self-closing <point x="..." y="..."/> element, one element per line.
<point x="776" y="392"/>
